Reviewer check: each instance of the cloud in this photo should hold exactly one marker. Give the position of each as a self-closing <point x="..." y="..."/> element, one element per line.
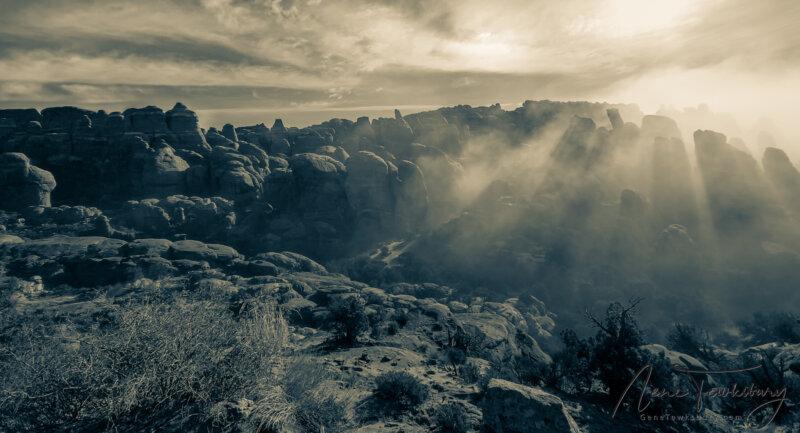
<point x="418" y="53"/>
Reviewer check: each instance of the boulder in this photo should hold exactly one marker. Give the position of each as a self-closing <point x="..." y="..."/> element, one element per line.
<point x="22" y="184"/>
<point x="513" y="408"/>
<point x="229" y="132"/>
<point x="281" y="147"/>
<point x="164" y="171"/>
<point x="199" y="251"/>
<point x="235" y="176"/>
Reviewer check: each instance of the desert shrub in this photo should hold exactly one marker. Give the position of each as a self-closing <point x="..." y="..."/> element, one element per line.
<point x="777" y="326"/>
<point x="570" y="369"/>
<point x="349" y="320"/>
<point x="692" y="341"/>
<point x="400" y="390"/>
<point x="616" y="356"/>
<point x="376" y="322"/>
<point x="401" y="319"/>
<point x="469" y="372"/>
<point x="451" y="418"/>
<point x="326" y="407"/>
<point x="157" y="363"/>
<point x="316" y="399"/>
<point x="454" y="356"/>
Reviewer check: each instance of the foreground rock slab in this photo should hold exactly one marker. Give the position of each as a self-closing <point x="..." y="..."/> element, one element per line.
<point x="513" y="408"/>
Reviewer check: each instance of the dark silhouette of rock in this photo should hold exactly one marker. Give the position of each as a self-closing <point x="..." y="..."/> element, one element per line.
<point x="277" y="126"/>
<point x="148" y="120"/>
<point x="229" y="132"/>
<point x="63" y="118"/>
<point x="20" y="116"/>
<point x="183" y="123"/>
<point x="22" y="184"/>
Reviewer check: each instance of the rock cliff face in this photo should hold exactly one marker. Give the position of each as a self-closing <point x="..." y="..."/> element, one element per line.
<point x="446" y="240"/>
<point x="337" y="189"/>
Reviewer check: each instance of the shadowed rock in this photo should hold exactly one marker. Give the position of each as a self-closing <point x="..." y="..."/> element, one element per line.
<point x="512" y="408"/>
<point x="22" y="184"/>
<point x="672" y="192"/>
<point x="783" y="175"/>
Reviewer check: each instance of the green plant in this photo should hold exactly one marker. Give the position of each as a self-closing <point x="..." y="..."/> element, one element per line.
<point x="349" y="320"/>
<point x="400" y="390"/>
<point x="570" y="369"/>
<point x="616" y="357"/>
<point x="451" y="418"/>
<point x="692" y="341"/>
<point x="777" y="326"/>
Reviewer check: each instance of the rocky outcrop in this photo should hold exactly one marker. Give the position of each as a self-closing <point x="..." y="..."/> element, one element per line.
<point x="672" y="191"/>
<point x="783" y="175"/>
<point x="411" y="197"/>
<point x="659" y="126"/>
<point x="368" y="188"/>
<point x="736" y="188"/>
<point x="22" y="184"/>
<point x="198" y="217"/>
<point x="513" y="408"/>
<point x="184" y="124"/>
<point x="158" y="171"/>
<point x="149" y="120"/>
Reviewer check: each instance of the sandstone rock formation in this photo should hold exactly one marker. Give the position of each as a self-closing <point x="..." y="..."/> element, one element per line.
<point x="512" y="408"/>
<point x="22" y="184"/>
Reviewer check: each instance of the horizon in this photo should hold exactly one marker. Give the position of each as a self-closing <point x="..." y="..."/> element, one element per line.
<point x="236" y="60"/>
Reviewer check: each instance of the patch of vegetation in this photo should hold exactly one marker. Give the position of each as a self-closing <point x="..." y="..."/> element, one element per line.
<point x="156" y="365"/>
<point x="318" y="403"/>
<point x="349" y="320"/>
<point x="400" y="390"/>
<point x="776" y="326"/>
<point x="612" y="358"/>
<point x="451" y="418"/>
<point x="692" y="341"/>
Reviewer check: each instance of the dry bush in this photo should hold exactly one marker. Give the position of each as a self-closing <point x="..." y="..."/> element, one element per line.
<point x="159" y="364"/>
<point x="451" y="418"/>
<point x="400" y="390"/>
<point x="309" y="399"/>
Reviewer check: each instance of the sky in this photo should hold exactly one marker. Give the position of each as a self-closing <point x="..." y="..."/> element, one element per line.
<point x="247" y="61"/>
